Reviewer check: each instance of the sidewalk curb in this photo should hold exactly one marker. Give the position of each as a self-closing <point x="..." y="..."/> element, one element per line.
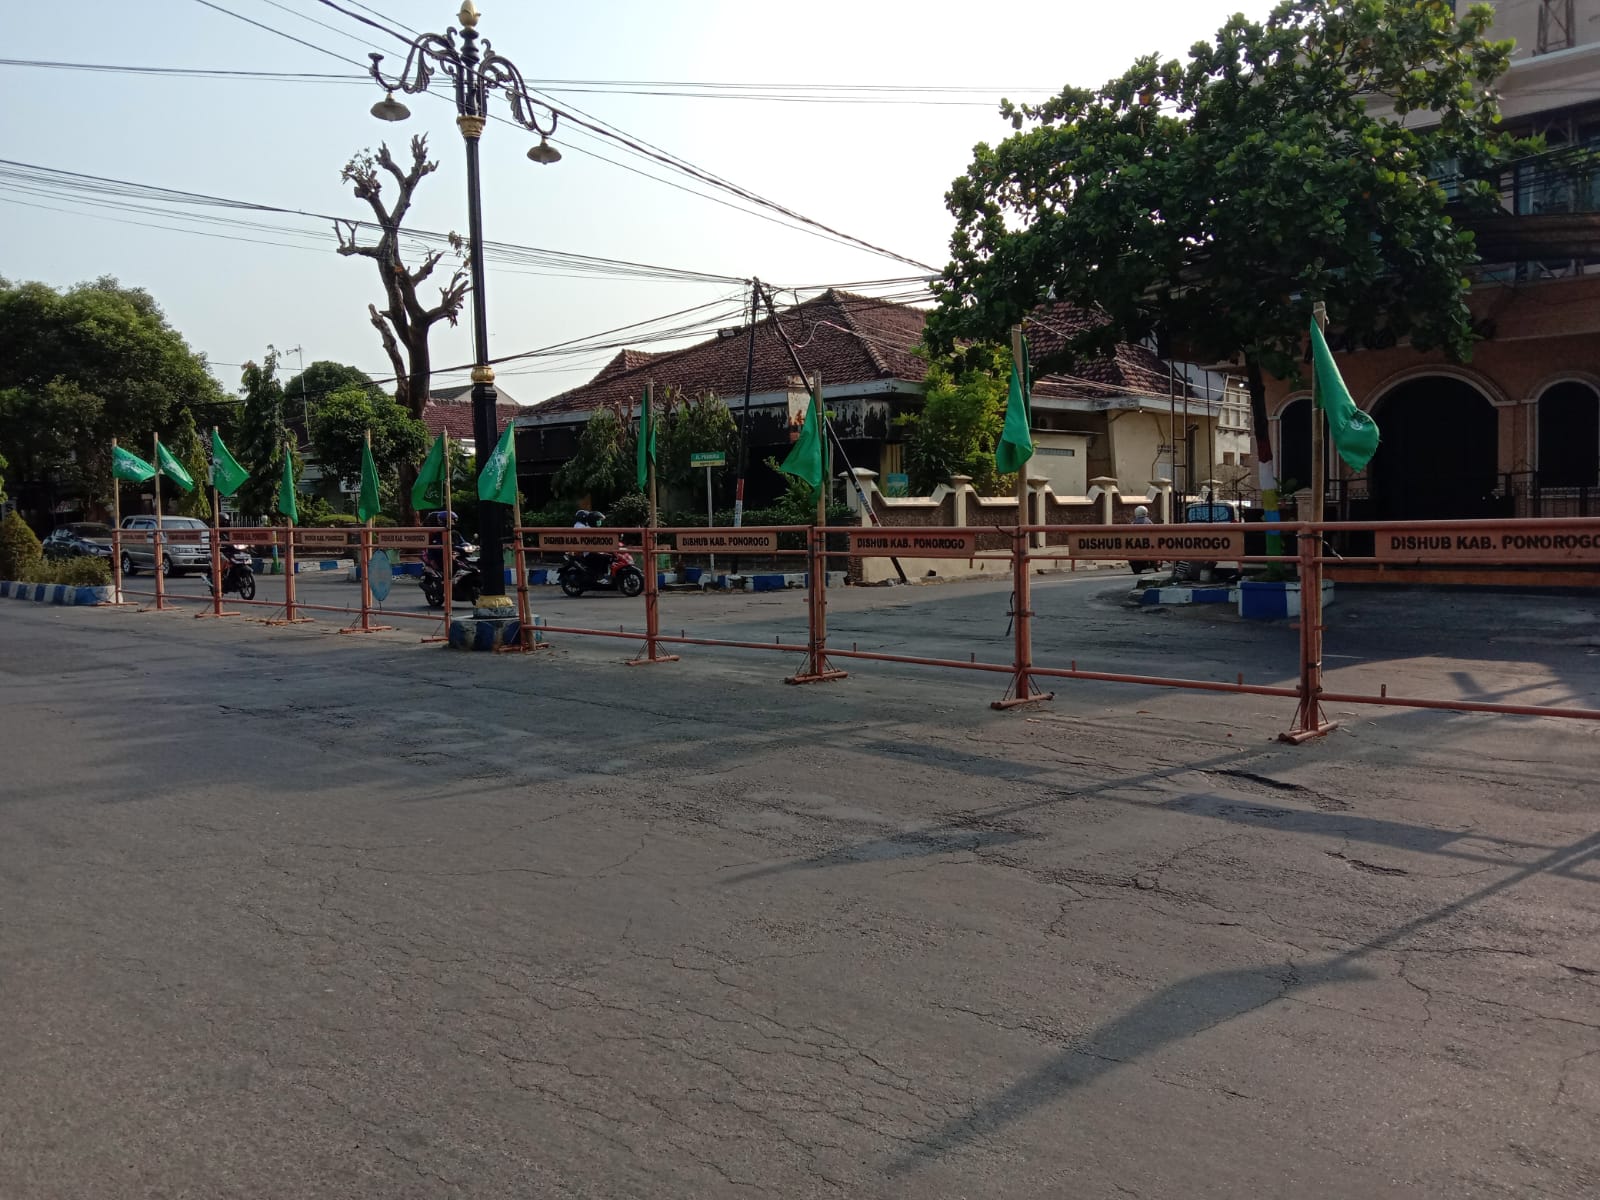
<point x="55" y="593"/>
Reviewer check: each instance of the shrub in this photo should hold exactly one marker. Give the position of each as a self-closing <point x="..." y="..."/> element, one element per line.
<point x="384" y="521"/>
<point x="334" y="520"/>
<point x="75" y="572"/>
<point x="20" y="550"/>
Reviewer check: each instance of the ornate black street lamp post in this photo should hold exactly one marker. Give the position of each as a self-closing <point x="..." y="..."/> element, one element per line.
<point x="476" y="70"/>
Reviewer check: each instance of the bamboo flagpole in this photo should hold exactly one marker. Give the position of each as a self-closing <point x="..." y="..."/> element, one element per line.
<point x="1022" y="690"/>
<point x="365" y="565"/>
<point x="651" y="653"/>
<point x="818" y="668"/>
<point x="447" y="555"/>
<point x="159" y="546"/>
<point x="116" y="528"/>
<point x="216" y="538"/>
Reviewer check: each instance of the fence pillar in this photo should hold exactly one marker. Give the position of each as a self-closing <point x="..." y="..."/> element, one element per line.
<point x="1161" y="492"/>
<point x="1021" y="689"/>
<point x="1104" y="489"/>
<point x="652" y="606"/>
<point x="960" y="488"/>
<point x="1309" y="719"/>
<point x="817" y="668"/>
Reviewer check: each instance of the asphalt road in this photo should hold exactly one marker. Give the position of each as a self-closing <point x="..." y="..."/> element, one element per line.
<point x="290" y="914"/>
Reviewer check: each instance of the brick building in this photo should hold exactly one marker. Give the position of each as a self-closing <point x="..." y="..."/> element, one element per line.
<point x="1515" y="431"/>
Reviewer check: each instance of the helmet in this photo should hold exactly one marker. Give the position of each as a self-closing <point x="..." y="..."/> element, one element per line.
<point x="1141" y="511"/>
<point x="582" y="516"/>
<point x="597" y="518"/>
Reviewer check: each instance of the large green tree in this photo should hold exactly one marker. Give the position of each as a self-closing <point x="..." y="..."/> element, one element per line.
<point x="340" y="422"/>
<point x="81" y="366"/>
<point x="194" y="454"/>
<point x="690" y="426"/>
<point x="956" y="429"/>
<point x="263" y="436"/>
<point x="604" y="465"/>
<point x="1213" y="200"/>
<point x="305" y="391"/>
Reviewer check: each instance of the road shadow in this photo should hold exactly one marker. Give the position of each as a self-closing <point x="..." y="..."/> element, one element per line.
<point x="1193" y="1006"/>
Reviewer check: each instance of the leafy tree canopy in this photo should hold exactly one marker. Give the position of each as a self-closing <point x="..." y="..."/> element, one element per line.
<point x="603" y="466"/>
<point x="263" y="437"/>
<point x="321" y="380"/>
<point x="81" y="366"/>
<point x="1217" y="198"/>
<point x="339" y="425"/>
<point x="963" y="412"/>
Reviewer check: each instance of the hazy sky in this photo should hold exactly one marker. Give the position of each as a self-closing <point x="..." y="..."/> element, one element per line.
<point x="876" y="171"/>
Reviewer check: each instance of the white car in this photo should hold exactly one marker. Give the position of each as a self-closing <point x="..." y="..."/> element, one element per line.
<point x="180" y="553"/>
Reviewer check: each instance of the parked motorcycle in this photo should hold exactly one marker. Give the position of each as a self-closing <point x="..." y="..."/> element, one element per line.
<point x="612" y="572"/>
<point x="238" y="572"/>
<point x="464" y="587"/>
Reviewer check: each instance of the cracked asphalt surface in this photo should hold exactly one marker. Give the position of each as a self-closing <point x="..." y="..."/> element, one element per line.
<point x="295" y="915"/>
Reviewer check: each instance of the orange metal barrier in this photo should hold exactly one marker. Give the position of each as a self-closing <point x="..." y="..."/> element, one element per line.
<point x="1026" y="549"/>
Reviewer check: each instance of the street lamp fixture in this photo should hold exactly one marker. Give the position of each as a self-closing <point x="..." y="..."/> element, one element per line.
<point x="476" y="71"/>
<point x="390" y="109"/>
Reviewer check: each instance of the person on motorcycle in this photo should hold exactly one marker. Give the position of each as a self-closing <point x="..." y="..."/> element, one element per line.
<point x="434" y="555"/>
<point x="597" y="563"/>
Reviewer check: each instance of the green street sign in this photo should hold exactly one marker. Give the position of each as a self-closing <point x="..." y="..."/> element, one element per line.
<point x="709" y="458"/>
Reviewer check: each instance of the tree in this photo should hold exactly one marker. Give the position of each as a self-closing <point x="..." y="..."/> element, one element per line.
<point x="603" y="466"/>
<point x="340" y="422"/>
<point x="963" y="412"/>
<point x="196" y="459"/>
<point x="303" y="392"/>
<point x="690" y="426"/>
<point x="405" y="322"/>
<point x="262" y="436"/>
<point x="1213" y="201"/>
<point x="81" y="366"/>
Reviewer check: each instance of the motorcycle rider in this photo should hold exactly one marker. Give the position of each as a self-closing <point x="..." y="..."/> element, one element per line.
<point x="596" y="563"/>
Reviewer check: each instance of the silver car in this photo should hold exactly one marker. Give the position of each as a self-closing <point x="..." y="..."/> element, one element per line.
<point x="186" y="545"/>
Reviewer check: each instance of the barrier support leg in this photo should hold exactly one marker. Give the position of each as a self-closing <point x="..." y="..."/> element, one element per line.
<point x="817" y="668"/>
<point x="363" y="565"/>
<point x="1021" y="690"/>
<point x="527" y="636"/>
<point x="216" y="561"/>
<point x="652" y="608"/>
<point x="1309" y="720"/>
<point x="290" y="613"/>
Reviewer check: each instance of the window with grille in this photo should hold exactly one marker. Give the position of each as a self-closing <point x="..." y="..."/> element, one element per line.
<point x="1555" y="26"/>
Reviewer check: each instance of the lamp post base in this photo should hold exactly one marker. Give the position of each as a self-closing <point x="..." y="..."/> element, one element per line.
<point x="485" y="633"/>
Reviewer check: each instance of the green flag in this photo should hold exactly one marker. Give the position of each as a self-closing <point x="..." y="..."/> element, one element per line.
<point x="226" y="474"/>
<point x="646" y="453"/>
<point x="130" y="466"/>
<point x="1355" y="435"/>
<point x="805" y="460"/>
<point x="430" y="491"/>
<point x="173" y="469"/>
<point x="367" y="504"/>
<point x="1016" y="438"/>
<point x="498" y="482"/>
<point x="286" y="500"/>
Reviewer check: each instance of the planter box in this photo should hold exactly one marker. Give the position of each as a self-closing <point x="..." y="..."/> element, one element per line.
<point x="1275" y="601"/>
<point x="55" y="593"/>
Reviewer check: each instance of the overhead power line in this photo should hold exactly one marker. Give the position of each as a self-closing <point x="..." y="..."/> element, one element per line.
<point x="603" y="129"/>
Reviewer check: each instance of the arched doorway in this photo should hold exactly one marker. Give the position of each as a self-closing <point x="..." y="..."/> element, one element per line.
<point x="1569" y="436"/>
<point x="1439" y="456"/>
<point x="1293" y="448"/>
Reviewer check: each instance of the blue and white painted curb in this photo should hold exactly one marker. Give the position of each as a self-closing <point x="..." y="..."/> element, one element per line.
<point x="1188" y="595"/>
<point x="263" y="566"/>
<point x="55" y="593"/>
<point x="1274" y="601"/>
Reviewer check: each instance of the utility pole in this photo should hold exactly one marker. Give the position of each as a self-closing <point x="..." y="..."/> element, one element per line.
<point x="744" y="415"/>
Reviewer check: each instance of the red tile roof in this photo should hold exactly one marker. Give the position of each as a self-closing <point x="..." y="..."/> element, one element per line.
<point x="451" y="409"/>
<point x="1128" y="368"/>
<point x="849" y="339"/>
